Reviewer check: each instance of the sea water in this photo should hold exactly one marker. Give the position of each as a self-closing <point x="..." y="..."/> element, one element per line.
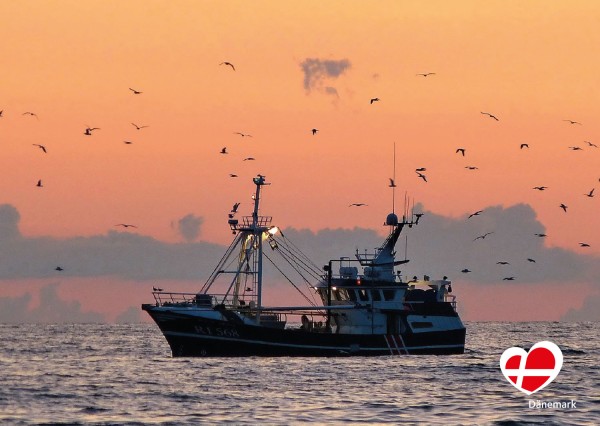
<point x="124" y="374"/>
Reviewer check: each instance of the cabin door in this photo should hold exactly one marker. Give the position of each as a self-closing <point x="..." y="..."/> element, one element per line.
<point x="393" y="326"/>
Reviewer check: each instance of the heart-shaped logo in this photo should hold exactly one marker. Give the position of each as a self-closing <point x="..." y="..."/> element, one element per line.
<point x="534" y="370"/>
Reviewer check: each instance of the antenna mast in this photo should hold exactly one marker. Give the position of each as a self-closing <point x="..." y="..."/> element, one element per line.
<point x="394" y="183"/>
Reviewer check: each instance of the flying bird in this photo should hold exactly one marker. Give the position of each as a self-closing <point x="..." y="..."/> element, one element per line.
<point x="508" y="278"/>
<point x="482" y="237"/>
<point x="562" y="206"/>
<point x="471" y="167"/>
<point x="126" y="225"/>
<point x="588" y="142"/>
<point x="127" y="142"/>
<point x="540" y="188"/>
<point x="425" y="74"/>
<point x="466" y="271"/>
<point x="529" y="259"/>
<point x="39" y="183"/>
<point x="490" y="115"/>
<point x="157" y="289"/>
<point x="540" y="235"/>
<point x="357" y="205"/>
<point x="524" y="145"/>
<point x="233" y="175"/>
<point x="422" y="176"/>
<point x="229" y="64"/>
<point x="139" y="127"/>
<point x="502" y="262"/>
<point x="584" y="245"/>
<point x="477" y="213"/>
<point x="573" y="122"/>
<point x="42" y="147"/>
<point x="242" y="134"/>
<point x="224" y="150"/>
<point x="392" y="183"/>
<point x="249" y="159"/>
<point x="235" y="207"/>
<point x="420" y="169"/>
<point x="374" y="100"/>
<point x="314" y="131"/>
<point x="461" y="150"/>
<point x="89" y="130"/>
<point x="135" y="92"/>
<point x="33" y="114"/>
<point x="58" y="268"/>
<point x="590" y="194"/>
<point x="575" y="148"/>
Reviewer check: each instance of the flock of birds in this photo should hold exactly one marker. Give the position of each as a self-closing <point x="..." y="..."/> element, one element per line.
<point x="88" y="131"/>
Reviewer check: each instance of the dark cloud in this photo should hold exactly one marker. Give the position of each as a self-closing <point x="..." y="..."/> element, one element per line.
<point x="317" y="71"/>
<point x="189" y="227"/>
<point x="590" y="311"/>
<point x="52" y="309"/>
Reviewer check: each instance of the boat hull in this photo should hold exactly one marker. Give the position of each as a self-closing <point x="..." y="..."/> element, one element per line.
<point x="193" y="336"/>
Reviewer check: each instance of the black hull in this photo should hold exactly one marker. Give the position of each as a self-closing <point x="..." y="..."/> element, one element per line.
<point x="190" y="336"/>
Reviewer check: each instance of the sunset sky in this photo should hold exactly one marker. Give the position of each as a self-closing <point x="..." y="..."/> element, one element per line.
<point x="298" y="66"/>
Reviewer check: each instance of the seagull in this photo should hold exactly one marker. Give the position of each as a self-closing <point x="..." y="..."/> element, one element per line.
<point x="466" y="271"/>
<point x="422" y="176"/>
<point x="139" y="127"/>
<point x="477" y="213"/>
<point x="157" y="289"/>
<point x="524" y="145"/>
<point x="39" y="183"/>
<point x="42" y="147"/>
<point x="224" y="150"/>
<point x="357" y="205"/>
<point x="591" y="144"/>
<point x="418" y="216"/>
<point x="89" y="130"/>
<point x="127" y="142"/>
<point x="228" y="64"/>
<point x="502" y="262"/>
<point x="242" y="134"/>
<point x="540" y="235"/>
<point x="392" y="183"/>
<point x="575" y="148"/>
<point x="58" y="268"/>
<point x="235" y="207"/>
<point x="584" y="245"/>
<point x="33" y="114"/>
<point x="529" y="259"/>
<point x="540" y="188"/>
<point x="126" y="225"/>
<point x="425" y="74"/>
<point x="490" y="115"/>
<point x="249" y="159"/>
<point x="374" y="100"/>
<point x="508" y="278"/>
<point x="590" y="194"/>
<point x="420" y="169"/>
<point x="233" y="175"/>
<point x="314" y="131"/>
<point x="461" y="150"/>
<point x="573" y="122"/>
<point x="562" y="206"/>
<point x="482" y="237"/>
<point x="471" y="167"/>
<point x="135" y="92"/>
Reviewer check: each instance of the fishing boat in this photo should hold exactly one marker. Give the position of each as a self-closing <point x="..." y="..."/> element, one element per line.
<point x="361" y="306"/>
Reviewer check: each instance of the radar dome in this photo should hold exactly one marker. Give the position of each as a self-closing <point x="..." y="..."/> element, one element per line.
<point x="391" y="220"/>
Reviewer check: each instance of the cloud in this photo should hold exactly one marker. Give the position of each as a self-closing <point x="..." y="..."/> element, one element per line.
<point x="189" y="227"/>
<point x="317" y="71"/>
<point x="51" y="309"/>
<point x="588" y="312"/>
<point x="438" y="246"/>
<point x="131" y="315"/>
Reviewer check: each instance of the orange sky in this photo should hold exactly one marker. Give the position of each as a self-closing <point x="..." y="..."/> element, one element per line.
<point x="532" y="64"/>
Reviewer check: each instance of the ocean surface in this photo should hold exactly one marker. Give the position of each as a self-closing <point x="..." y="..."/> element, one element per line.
<point x="124" y="374"/>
